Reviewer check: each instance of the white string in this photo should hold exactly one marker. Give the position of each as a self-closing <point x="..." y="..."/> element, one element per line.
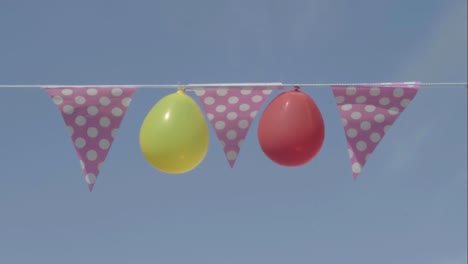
<point x="163" y="86"/>
<point x="373" y="84"/>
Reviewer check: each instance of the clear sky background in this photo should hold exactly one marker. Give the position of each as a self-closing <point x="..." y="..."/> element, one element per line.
<point x="409" y="206"/>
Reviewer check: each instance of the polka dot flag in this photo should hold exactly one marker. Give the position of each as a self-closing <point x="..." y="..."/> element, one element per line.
<point x="367" y="113"/>
<point x="232" y="110"/>
<point x="93" y="117"/>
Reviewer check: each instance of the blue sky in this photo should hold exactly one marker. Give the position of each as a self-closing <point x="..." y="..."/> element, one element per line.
<point x="409" y="206"/>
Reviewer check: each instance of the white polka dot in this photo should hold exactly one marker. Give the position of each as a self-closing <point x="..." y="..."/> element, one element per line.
<point x="231" y="134"/>
<point x="379" y="118"/>
<point x="92" y="110"/>
<point x="91" y="155"/>
<point x="339" y="99"/>
<point x="375" y="137"/>
<point x="126" y="101"/>
<point x="68" y="109"/>
<point x="104" y="144"/>
<point x="209" y="100"/>
<point x="92" y="132"/>
<point x="91" y="91"/>
<point x="67" y="92"/>
<point x="365" y="125"/>
<point x="384" y="101"/>
<point x="231" y="155"/>
<point x="210" y="116"/>
<point x="244" y="107"/>
<point x="356" y="115"/>
<point x="104" y="101"/>
<point x="374" y="91"/>
<point x="104" y="121"/>
<point x="233" y="100"/>
<point x="80" y="142"/>
<point x="398" y="92"/>
<point x="220" y="108"/>
<point x="352" y="133"/>
<point x="370" y="108"/>
<point x="346" y="107"/>
<point x="220" y="125"/>
<point x="253" y="114"/>
<point x="70" y="130"/>
<point x="57" y="100"/>
<point x="257" y="98"/>
<point x="350" y="153"/>
<point x="361" y="145"/>
<point x="351" y="90"/>
<point x="221" y="91"/>
<point x="80" y="120"/>
<point x="361" y="99"/>
<point x="223" y="144"/>
<point x="239" y="144"/>
<point x="199" y="92"/>
<point x="267" y="91"/>
<point x="82" y="165"/>
<point x="387" y="128"/>
<point x="232" y="115"/>
<point x="344" y="121"/>
<point x="116" y="92"/>
<point x="246" y="91"/>
<point x="405" y="102"/>
<point x="356" y="167"/>
<point x="80" y="100"/>
<point x="243" y="124"/>
<point x="90" y="178"/>
<point x="114" y="132"/>
<point x="394" y="111"/>
<point x="117" y="111"/>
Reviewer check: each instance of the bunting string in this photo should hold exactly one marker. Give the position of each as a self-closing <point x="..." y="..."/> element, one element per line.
<point x="228" y="85"/>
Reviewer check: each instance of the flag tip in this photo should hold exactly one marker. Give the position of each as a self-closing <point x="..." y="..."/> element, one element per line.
<point x="355" y="177"/>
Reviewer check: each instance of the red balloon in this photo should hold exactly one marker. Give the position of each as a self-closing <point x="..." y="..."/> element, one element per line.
<point x="291" y="130"/>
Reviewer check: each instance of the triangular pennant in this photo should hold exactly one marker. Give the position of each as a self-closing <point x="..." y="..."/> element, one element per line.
<point x="93" y="117"/>
<point x="368" y="112"/>
<point x="231" y="110"/>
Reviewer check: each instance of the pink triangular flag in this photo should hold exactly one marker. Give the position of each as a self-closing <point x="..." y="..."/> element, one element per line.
<point x="368" y="112"/>
<point x="231" y="110"/>
<point x="93" y="117"/>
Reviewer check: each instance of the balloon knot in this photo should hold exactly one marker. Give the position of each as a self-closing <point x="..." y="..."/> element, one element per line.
<point x="181" y="90"/>
<point x="296" y="88"/>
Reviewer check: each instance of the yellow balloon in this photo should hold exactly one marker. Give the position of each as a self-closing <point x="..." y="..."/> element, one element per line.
<point x="174" y="136"/>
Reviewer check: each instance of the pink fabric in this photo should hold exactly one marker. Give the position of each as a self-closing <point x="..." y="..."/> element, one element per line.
<point x="367" y="113"/>
<point x="231" y="111"/>
<point x="92" y="116"/>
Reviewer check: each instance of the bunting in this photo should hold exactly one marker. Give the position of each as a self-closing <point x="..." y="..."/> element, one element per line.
<point x="231" y="110"/>
<point x="93" y="117"/>
<point x="93" y="114"/>
<point x="367" y="113"/>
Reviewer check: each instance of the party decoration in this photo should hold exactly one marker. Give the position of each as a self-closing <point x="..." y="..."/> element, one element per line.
<point x="367" y="113"/>
<point x="174" y="135"/>
<point x="291" y="130"/>
<point x="93" y="117"/>
<point x="231" y="110"/>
